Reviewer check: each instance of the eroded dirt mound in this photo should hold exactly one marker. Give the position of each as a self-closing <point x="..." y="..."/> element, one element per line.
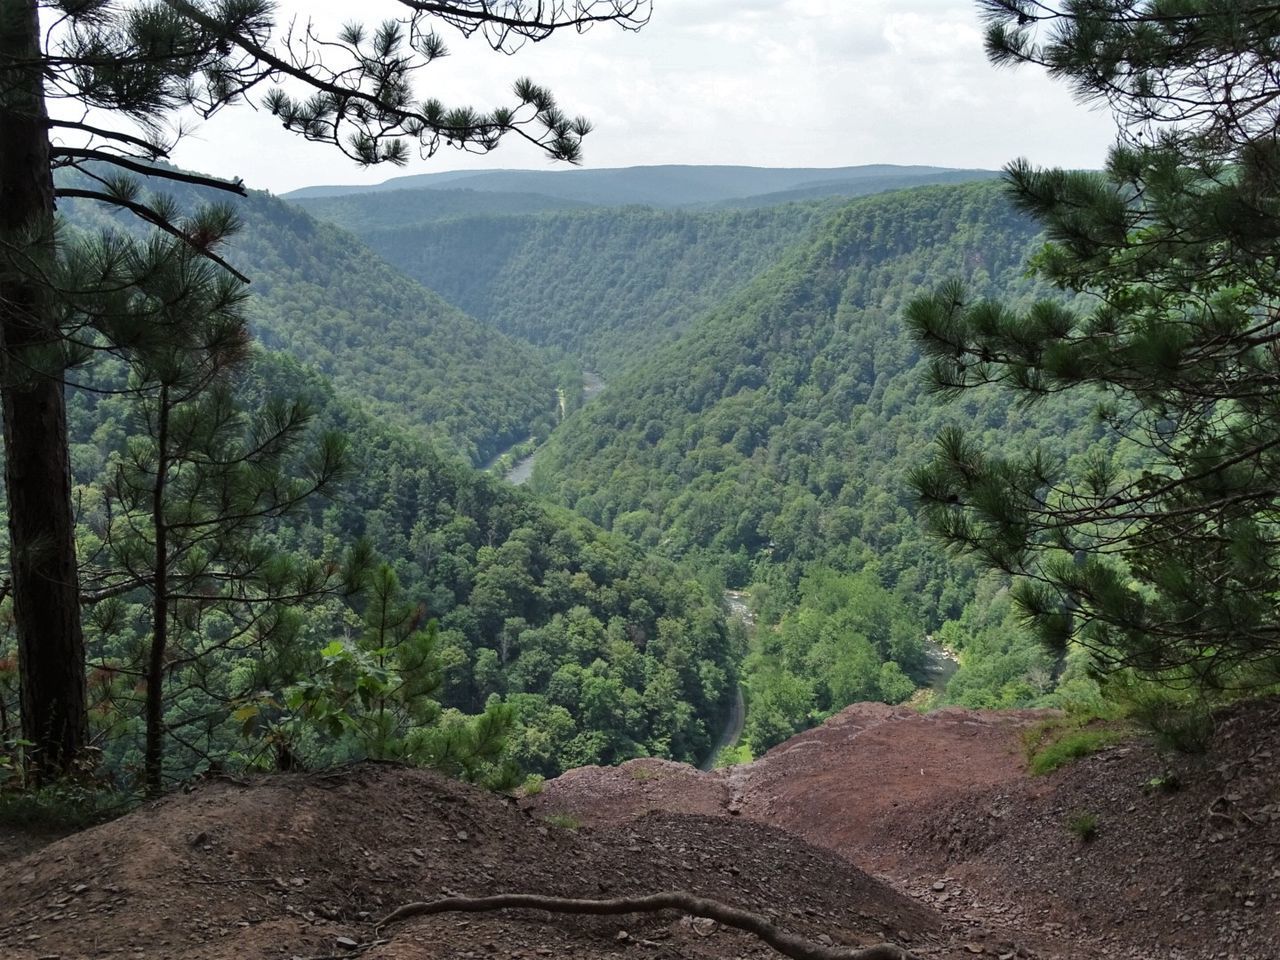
<point x="940" y="805"/>
<point x="837" y="785"/>
<point x="303" y="866"/>
<point x="1183" y="859"/>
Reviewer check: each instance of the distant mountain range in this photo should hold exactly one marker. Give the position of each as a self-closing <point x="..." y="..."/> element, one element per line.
<point x="661" y="186"/>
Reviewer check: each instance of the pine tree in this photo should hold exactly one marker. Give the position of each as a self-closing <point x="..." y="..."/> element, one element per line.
<point x="191" y="498"/>
<point x="1160" y="551"/>
<point x="136" y="66"/>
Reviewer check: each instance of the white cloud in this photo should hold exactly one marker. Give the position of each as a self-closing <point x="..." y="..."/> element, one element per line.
<point x="769" y="82"/>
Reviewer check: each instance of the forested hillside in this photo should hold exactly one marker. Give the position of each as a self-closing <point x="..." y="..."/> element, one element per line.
<point x="605" y="286"/>
<point x="320" y="295"/>
<point x="775" y="439"/>
<point x="364" y="212"/>
<point x="664" y="185"/>
<point x="599" y="651"/>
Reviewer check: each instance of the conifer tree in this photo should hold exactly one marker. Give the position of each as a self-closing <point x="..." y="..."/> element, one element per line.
<point x="190" y="499"/>
<point x="1164" y="557"/>
<point x="129" y="69"/>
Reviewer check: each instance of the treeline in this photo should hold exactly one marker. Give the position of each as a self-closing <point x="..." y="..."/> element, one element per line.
<point x="373" y="210"/>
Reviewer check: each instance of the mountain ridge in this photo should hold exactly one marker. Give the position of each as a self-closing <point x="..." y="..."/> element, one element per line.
<point x="660" y="184"/>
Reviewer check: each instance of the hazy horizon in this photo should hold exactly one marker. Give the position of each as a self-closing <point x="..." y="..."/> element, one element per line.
<point x="763" y="83"/>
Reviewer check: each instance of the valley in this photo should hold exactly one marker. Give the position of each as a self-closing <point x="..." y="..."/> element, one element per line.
<point x="763" y="412"/>
<point x="721" y="545"/>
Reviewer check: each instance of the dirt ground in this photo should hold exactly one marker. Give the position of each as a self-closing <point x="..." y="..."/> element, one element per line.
<point x="883" y="824"/>
<point x="940" y="807"/>
<point x="304" y="866"/>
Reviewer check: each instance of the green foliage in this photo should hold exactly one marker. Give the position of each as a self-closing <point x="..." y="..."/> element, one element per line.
<point x="61" y="806"/>
<point x="1168" y="782"/>
<point x="848" y="639"/>
<point x="734" y="756"/>
<point x="1177" y="714"/>
<point x="365" y="213"/>
<point x="322" y="297"/>
<point x="1056" y="742"/>
<point x="605" y="286"/>
<point x="1084" y="825"/>
<point x="562" y="821"/>
<point x="1163" y="560"/>
<point x="487" y="597"/>
<point x="779" y="433"/>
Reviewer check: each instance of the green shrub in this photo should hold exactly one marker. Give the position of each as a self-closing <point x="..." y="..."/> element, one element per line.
<point x="1045" y="757"/>
<point x="564" y="821"/>
<point x="62" y="807"/>
<point x="734" y="756"/>
<point x="1083" y="825"/>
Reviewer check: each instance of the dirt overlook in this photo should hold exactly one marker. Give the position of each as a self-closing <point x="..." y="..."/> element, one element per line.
<point x="883" y="824"/>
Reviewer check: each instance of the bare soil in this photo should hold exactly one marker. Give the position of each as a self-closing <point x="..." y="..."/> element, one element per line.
<point x="940" y="807"/>
<point x="881" y="824"/>
<point x="289" y="866"/>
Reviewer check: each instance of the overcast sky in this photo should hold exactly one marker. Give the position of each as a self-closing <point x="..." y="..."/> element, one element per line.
<point x="819" y="83"/>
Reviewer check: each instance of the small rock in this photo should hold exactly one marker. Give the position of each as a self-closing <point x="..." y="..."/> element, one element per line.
<point x="939" y="886"/>
<point x="704" y="926"/>
<point x="622" y="936"/>
<point x="462" y="835"/>
<point x="346" y="943"/>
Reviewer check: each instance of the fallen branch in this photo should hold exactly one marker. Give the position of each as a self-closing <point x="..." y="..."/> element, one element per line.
<point x="788" y="944"/>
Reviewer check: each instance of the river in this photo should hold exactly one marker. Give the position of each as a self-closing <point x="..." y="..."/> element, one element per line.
<point x="519" y="474"/>
<point x="940" y="665"/>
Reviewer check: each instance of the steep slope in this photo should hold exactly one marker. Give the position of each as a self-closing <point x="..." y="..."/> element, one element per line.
<point x="606" y="286"/>
<point x="1183" y="866"/>
<point x="605" y="651"/>
<point x="779" y="432"/>
<point x="323" y="297"/>
<point x="787" y="420"/>
<point x="365" y="212"/>
<point x="860" y="186"/>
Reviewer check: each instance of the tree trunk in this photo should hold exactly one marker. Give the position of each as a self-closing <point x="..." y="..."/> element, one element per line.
<point x="153" y="764"/>
<point x="46" y="606"/>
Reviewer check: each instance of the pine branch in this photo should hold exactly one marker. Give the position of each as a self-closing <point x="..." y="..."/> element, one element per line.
<point x="155" y="150"/>
<point x="81" y="153"/>
<point x="142" y="211"/>
<point x="788" y="944"/>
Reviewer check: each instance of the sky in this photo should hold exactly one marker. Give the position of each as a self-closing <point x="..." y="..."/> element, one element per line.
<point x="805" y="83"/>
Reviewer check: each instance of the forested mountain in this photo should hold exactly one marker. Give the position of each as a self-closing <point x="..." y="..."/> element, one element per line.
<point x="326" y="299"/>
<point x="662" y="186"/>
<point x="860" y="186"/>
<point x="602" y="285"/>
<point x="601" y="651"/>
<point x="776" y="437"/>
<point x="365" y="212"/>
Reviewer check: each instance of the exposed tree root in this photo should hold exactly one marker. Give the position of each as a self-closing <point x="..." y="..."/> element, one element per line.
<point x="788" y="944"/>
